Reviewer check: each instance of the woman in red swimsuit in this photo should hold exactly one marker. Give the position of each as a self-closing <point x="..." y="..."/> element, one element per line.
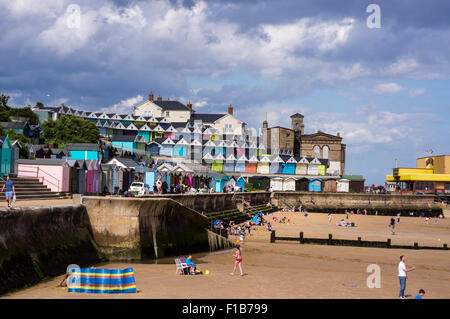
<point x="238" y="257"/>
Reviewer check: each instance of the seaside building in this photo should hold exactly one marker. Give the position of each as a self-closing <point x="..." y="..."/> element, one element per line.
<point x="432" y="175"/>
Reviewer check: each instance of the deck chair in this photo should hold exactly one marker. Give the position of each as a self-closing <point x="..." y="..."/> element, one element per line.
<point x="182" y="267"/>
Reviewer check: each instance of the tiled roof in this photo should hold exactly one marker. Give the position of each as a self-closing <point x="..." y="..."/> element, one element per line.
<point x="171" y="105"/>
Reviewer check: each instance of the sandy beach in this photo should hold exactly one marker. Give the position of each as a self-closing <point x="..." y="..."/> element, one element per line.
<point x="292" y="270"/>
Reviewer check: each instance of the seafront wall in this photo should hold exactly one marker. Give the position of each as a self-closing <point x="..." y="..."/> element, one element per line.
<point x="39" y="242"/>
<point x="141" y="228"/>
<point x="339" y="202"/>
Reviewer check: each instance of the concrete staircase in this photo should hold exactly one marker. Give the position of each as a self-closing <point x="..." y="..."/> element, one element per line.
<point x="31" y="189"/>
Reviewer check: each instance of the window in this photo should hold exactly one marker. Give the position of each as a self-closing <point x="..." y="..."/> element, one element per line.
<point x="316" y="151"/>
<point x="425" y="186"/>
<point x="325" y="152"/>
<point x="147" y="113"/>
<point x="167" y="114"/>
<point x="228" y="128"/>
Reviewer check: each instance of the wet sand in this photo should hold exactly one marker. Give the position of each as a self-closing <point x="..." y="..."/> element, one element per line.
<point x="292" y="270"/>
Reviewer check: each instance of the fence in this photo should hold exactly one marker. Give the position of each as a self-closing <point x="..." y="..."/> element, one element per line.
<point x="348" y="242"/>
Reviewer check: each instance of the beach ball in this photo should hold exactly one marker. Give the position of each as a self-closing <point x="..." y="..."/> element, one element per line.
<point x="237" y="240"/>
<point x="207" y="272"/>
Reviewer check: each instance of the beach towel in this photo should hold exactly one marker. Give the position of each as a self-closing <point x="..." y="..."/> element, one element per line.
<point x="102" y="281"/>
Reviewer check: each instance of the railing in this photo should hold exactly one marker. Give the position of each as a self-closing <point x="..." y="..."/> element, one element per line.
<point x="35" y="174"/>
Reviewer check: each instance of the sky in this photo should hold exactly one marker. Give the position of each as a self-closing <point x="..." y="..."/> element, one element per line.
<point x="386" y="90"/>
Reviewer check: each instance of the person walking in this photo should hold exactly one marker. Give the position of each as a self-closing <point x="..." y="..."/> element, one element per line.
<point x="10" y="190"/>
<point x="398" y="218"/>
<point x="329" y="218"/>
<point x="238" y="261"/>
<point x="402" y="275"/>
<point x="392" y="225"/>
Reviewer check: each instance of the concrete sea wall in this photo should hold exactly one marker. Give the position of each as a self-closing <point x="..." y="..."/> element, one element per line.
<point x="140" y="228"/>
<point x="337" y="202"/>
<point x="41" y="242"/>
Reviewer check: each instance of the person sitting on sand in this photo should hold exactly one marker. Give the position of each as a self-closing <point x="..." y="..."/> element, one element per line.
<point x="269" y="227"/>
<point x="342" y="223"/>
<point x="193" y="266"/>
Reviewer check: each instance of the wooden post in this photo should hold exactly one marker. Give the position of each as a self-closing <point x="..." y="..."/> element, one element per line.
<point x="301" y="238"/>
<point x="388" y="244"/>
<point x="445" y="246"/>
<point x="272" y="236"/>
<point x="330" y="239"/>
<point x="359" y="241"/>
<point x="416" y="246"/>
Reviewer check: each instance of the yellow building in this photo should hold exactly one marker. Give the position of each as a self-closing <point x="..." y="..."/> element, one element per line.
<point x="432" y="175"/>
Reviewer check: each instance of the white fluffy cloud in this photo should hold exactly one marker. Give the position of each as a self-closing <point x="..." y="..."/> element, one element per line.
<point x="387" y="88"/>
<point x="124" y="106"/>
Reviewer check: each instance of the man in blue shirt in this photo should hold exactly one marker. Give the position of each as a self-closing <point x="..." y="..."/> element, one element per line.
<point x="10" y="190"/>
<point x="420" y="295"/>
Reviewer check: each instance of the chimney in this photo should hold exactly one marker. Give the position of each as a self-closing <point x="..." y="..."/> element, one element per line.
<point x="230" y="109"/>
<point x="338" y="134"/>
<point x="189" y="106"/>
<point x="168" y="99"/>
<point x="151" y="97"/>
<point x="159" y="98"/>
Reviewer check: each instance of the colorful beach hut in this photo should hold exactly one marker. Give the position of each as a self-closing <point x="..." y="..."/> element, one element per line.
<point x="315" y="185"/>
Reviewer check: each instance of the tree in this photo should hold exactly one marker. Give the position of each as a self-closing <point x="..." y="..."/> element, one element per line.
<point x="4" y="102"/>
<point x="70" y="129"/>
<point x="26" y="112"/>
<point x="23" y="141"/>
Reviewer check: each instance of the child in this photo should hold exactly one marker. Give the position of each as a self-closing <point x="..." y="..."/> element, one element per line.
<point x="238" y="256"/>
<point x="420" y="295"/>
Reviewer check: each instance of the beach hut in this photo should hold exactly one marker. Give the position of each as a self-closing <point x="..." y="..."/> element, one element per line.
<point x="239" y="166"/>
<point x="54" y="173"/>
<point x="276" y="184"/>
<point x="322" y="168"/>
<point x="329" y="186"/>
<point x="153" y="148"/>
<point x="107" y="178"/>
<point x="74" y="167"/>
<point x="240" y="183"/>
<point x="315" y="185"/>
<point x="302" y="184"/>
<point x="217" y="164"/>
<point x="301" y="168"/>
<point x="313" y="167"/>
<point x="251" y="166"/>
<point x="289" y="184"/>
<point x="342" y="185"/>
<point x="83" y="151"/>
<point x="229" y="163"/>
<point x="276" y="165"/>
<point x="167" y="147"/>
<point x="9" y="156"/>
<point x="81" y="189"/>
<point x="263" y="165"/>
<point x="180" y="148"/>
<point x="289" y="166"/>
<point x="150" y="178"/>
